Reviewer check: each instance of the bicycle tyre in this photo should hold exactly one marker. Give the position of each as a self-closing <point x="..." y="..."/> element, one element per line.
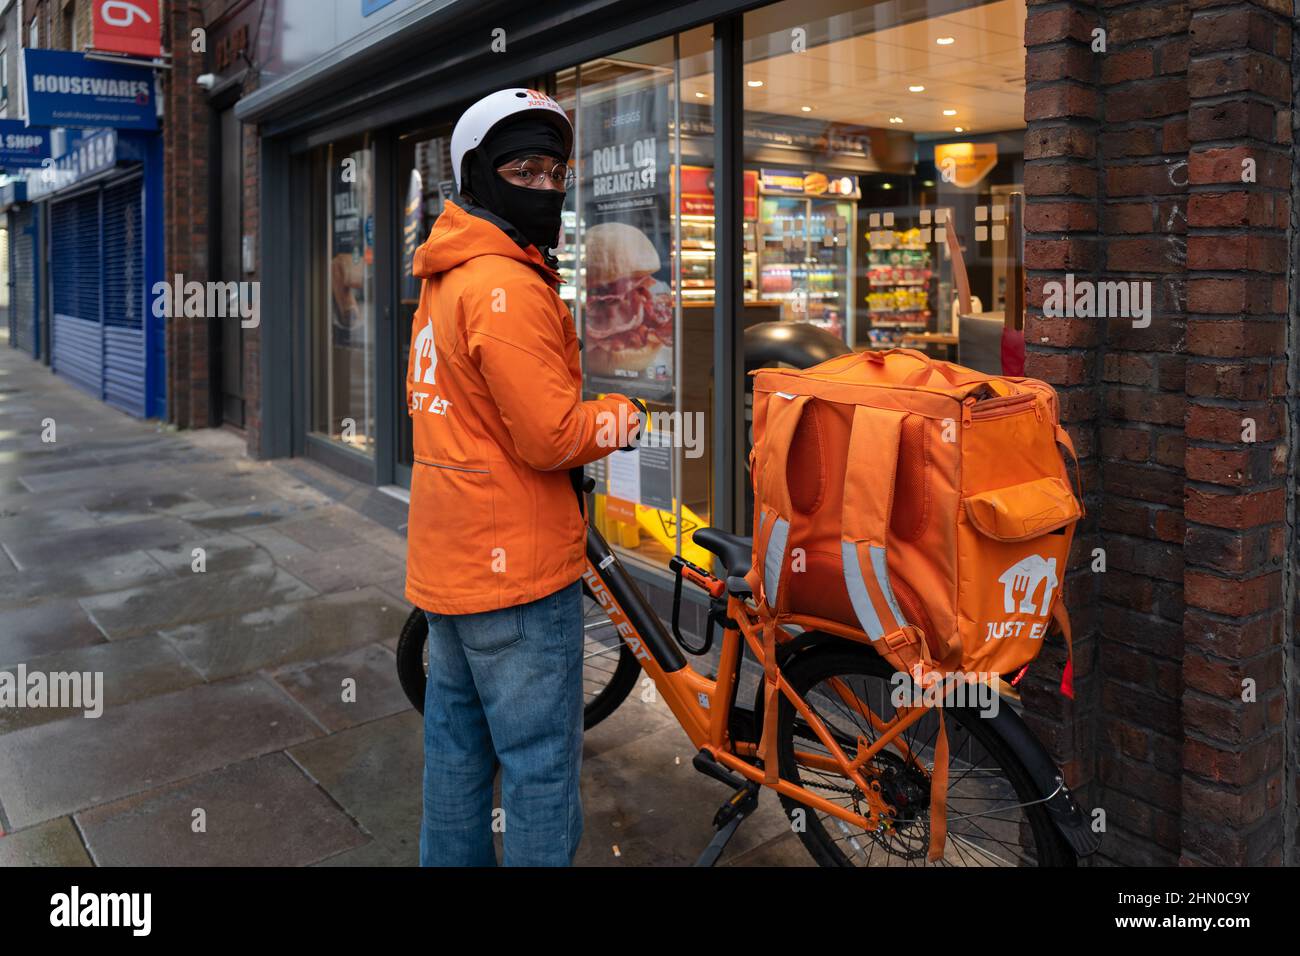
<point x="411" y="674"/>
<point x="807" y="670"/>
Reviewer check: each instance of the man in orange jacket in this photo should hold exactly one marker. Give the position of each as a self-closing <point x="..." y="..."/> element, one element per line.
<point x="496" y="536"/>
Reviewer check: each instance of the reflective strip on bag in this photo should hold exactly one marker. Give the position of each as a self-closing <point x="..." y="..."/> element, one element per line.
<point x="856" y="583"/>
<point x="774" y="559"/>
<point x="881" y="569"/>
<point x="857" y="587"/>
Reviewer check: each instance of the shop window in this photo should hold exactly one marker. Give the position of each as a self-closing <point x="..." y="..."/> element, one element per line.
<point x="343" y="313"/>
<point x="887" y="141"/>
<point x="644" y="191"/>
<point x="426" y="180"/>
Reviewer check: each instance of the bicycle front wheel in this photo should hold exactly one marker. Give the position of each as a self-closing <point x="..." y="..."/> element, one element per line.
<point x="994" y="815"/>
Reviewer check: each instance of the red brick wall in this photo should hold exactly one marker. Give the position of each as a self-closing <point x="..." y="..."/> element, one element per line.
<point x="1239" y="83"/>
<point x="187" y="171"/>
<point x="1133" y="171"/>
<point x="1061" y="142"/>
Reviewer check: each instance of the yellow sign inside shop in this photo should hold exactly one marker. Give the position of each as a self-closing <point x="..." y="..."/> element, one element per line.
<point x="965" y="164"/>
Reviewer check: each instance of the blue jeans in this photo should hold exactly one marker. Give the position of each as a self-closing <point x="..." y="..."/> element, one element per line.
<point x="505" y="689"/>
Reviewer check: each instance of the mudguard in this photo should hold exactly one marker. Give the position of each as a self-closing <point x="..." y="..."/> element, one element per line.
<point x="1063" y="809"/>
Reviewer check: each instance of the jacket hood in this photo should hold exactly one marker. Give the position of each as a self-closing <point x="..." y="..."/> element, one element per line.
<point x="464" y="232"/>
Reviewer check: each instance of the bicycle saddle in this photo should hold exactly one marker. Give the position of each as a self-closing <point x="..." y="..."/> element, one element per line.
<point x="736" y="552"/>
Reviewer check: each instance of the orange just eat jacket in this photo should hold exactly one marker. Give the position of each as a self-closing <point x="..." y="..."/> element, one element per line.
<point x="494" y="391"/>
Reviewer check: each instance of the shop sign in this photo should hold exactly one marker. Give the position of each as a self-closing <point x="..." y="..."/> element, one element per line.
<point x="231" y="47"/>
<point x="786" y="182"/>
<point x="965" y="164"/>
<point x="127" y="26"/>
<point x="85" y="158"/>
<point x="22" y="145"/>
<point x="66" y="89"/>
<point x="697" y="191"/>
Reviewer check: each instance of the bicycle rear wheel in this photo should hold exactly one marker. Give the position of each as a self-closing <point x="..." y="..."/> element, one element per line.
<point x="993" y="818"/>
<point x="609" y="669"/>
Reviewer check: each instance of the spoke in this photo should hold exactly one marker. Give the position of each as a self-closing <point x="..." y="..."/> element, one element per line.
<point x="989" y="799"/>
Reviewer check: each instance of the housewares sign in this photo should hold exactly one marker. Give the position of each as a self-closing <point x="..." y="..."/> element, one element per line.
<point x="66" y="89"/>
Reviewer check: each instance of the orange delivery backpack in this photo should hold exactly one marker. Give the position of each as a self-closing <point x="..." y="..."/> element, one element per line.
<point x="920" y="504"/>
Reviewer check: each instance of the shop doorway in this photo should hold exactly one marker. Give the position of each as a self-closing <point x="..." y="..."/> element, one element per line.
<point x="230" y="378"/>
<point x="425" y="181"/>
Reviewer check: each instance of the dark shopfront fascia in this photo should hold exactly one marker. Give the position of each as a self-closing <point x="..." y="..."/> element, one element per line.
<point x="351" y="416"/>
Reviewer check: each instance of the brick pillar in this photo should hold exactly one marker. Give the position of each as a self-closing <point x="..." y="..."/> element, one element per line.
<point x="1233" y="780"/>
<point x="186" y="171"/>
<point x="1061" y="184"/>
<point x="1143" y="152"/>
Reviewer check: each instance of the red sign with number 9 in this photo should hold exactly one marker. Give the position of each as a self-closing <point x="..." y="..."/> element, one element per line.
<point x="128" y="26"/>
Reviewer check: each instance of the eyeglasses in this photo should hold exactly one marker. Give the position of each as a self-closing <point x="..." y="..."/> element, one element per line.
<point x="533" y="170"/>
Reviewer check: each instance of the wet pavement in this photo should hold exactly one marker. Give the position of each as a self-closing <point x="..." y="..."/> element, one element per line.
<point x="224" y="737"/>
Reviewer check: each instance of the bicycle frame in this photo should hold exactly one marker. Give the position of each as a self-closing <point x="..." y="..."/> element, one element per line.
<point x="703" y="706"/>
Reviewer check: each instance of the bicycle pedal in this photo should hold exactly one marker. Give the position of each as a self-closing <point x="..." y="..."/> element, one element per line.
<point x="743" y="801"/>
<point x="728" y="820"/>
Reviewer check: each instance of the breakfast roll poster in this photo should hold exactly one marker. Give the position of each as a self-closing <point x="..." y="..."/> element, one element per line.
<point x="626" y="240"/>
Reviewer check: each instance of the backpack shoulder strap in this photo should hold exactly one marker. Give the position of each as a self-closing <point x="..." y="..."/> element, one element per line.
<point x="772" y="492"/>
<point x="873" y="455"/>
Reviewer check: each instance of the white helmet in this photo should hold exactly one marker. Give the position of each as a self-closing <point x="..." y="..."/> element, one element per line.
<point x="478" y="120"/>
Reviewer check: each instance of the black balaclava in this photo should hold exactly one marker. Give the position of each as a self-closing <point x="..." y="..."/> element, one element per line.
<point x="535" y="213"/>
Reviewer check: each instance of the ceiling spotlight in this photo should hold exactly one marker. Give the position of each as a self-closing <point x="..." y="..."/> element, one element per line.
<point x="753" y="82"/>
<point x="958" y="129"/>
<point x="946" y="41"/>
<point x="949" y="112"/>
<point x="916" y="89"/>
<point x="699" y="95"/>
<point x="895" y="119"/>
<point x="806" y="109"/>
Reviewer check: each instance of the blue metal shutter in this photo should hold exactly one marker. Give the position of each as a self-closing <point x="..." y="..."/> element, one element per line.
<point x="22" y="263"/>
<point x="124" y="299"/>
<point x="77" y="352"/>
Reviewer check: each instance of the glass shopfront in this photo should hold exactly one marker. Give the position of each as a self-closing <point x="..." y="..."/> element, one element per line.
<point x="643" y="193"/>
<point x="343" y="328"/>
<point x="889" y="157"/>
<point x="878" y="175"/>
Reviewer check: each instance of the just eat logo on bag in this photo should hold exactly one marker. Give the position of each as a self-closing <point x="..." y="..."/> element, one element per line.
<point x="1020" y="583"/>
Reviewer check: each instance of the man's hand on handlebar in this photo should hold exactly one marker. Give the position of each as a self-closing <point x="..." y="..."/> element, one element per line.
<point x="634" y="433"/>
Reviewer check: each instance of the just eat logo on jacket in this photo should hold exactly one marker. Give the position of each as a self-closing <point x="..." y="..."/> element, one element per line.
<point x="128" y="26"/>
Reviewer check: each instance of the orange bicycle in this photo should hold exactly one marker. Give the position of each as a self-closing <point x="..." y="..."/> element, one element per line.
<point x="854" y="772"/>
